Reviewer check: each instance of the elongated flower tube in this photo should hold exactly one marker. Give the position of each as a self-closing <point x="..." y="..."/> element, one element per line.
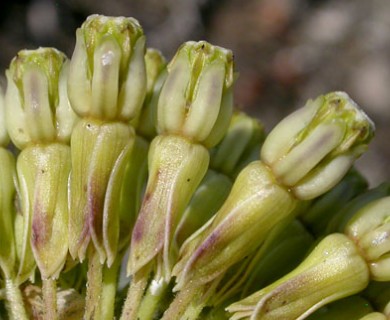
<point x="107" y="85"/>
<point x="369" y="229"/>
<point x="39" y="121"/>
<point x="193" y="114"/>
<point x="330" y="129"/>
<point x="333" y="270"/>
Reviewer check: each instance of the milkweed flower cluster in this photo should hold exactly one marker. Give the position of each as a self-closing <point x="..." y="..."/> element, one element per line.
<point x="131" y="187"/>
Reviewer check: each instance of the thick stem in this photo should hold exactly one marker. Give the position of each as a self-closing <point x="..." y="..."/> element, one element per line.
<point x="110" y="276"/>
<point x="94" y="287"/>
<point x="15" y="302"/>
<point x="134" y="294"/>
<point x="49" y="294"/>
<point x="187" y="305"/>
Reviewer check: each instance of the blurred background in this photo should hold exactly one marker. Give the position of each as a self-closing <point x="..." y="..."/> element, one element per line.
<point x="286" y="51"/>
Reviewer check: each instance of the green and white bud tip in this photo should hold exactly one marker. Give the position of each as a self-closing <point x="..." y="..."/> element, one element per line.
<point x="37" y="106"/>
<point x="370" y="229"/>
<point x="107" y="78"/>
<point x="196" y="98"/>
<point x="312" y="149"/>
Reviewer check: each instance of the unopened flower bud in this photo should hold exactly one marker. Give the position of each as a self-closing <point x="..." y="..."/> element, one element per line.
<point x="156" y="73"/>
<point x="37" y="106"/>
<point x="107" y="78"/>
<point x="370" y="229"/>
<point x="333" y="270"/>
<point x="235" y="149"/>
<point x="312" y="149"/>
<point x="196" y="99"/>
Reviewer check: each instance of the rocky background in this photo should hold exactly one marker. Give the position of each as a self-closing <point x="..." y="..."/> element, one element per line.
<point x="286" y="51"/>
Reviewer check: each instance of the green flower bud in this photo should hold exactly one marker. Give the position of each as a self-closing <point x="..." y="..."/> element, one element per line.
<point x="7" y="213"/>
<point x="196" y="98"/>
<point x="312" y="149"/>
<point x="341" y="218"/>
<point x="333" y="270"/>
<point x="43" y="172"/>
<point x="37" y="106"/>
<point x="369" y="229"/>
<point x="233" y="152"/>
<point x="107" y="78"/>
<point x="156" y="73"/>
<point x="4" y="138"/>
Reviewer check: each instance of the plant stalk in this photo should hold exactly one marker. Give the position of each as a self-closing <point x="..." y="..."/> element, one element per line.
<point x="94" y="287"/>
<point x="49" y="294"/>
<point x="15" y="302"/>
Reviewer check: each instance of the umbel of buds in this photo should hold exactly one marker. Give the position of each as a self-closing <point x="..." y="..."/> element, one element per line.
<point x="118" y="151"/>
